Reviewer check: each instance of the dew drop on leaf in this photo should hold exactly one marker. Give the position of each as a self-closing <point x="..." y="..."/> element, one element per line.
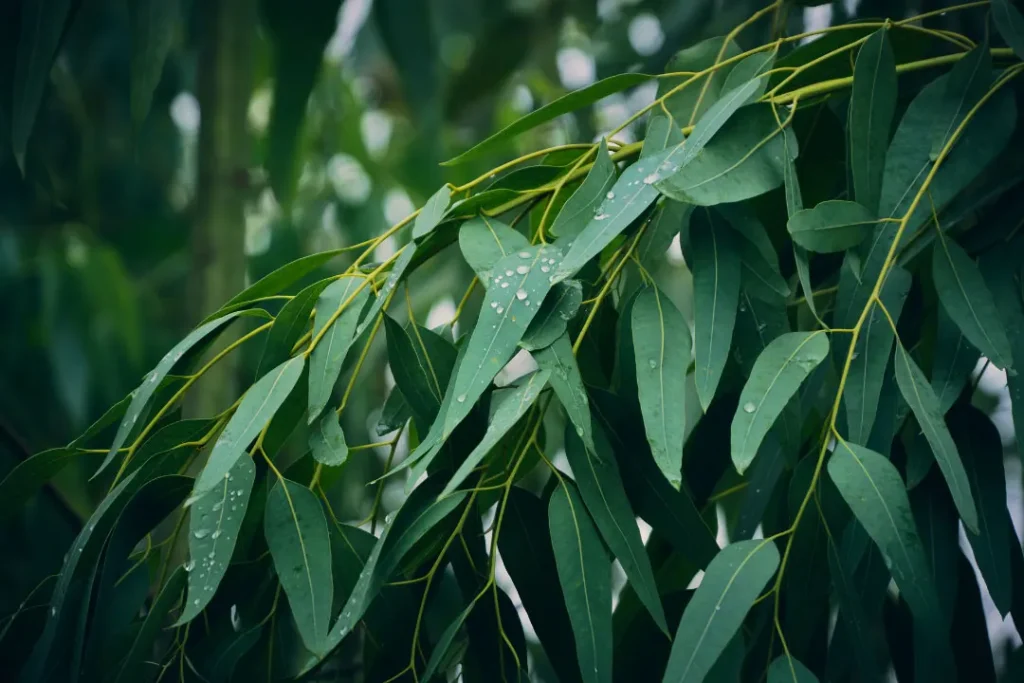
<point x="749" y="407"/>
<point x="461" y="398"/>
<point x="190" y="565"/>
<point x="523" y="270"/>
<point x="201" y="533"/>
<point x="524" y="254"/>
<point x="521" y="294"/>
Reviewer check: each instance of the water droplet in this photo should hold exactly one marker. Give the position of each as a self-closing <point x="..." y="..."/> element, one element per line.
<point x="494" y="304"/>
<point x="190" y="565"/>
<point x="504" y="285"/>
<point x="551" y="278"/>
<point x="215" y="535"/>
<point x="761" y="326"/>
<point x="527" y="302"/>
<point x="579" y="431"/>
<point x="854" y="356"/>
<point x="718" y="608"/>
<point x="743" y="307"/>
<point x="610" y="195"/>
<point x="651" y="179"/>
<point x="749" y="407"/>
<point x="201" y="533"/>
<point x="544" y="269"/>
<point x="508" y="273"/>
<point x="196" y="601"/>
<point x="600" y="216"/>
<point x="461" y="398"/>
<point x="521" y="294"/>
<point x="524" y="254"/>
<point x="933" y="156"/>
<point x="53" y="611"/>
<point x="217" y="506"/>
<point x="500" y="310"/>
<point x="653" y="363"/>
<point x="523" y="270"/>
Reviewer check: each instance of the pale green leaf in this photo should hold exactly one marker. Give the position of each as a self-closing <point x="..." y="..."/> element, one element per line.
<point x="785" y="669"/>
<point x="922" y="400"/>
<point x="327" y="441"/>
<point x="872" y="106"/>
<point x="300" y="546"/>
<point x="601" y="487"/>
<point x="731" y="584"/>
<point x="580" y="207"/>
<point x="776" y="376"/>
<point x="559" y="307"/>
<point x="1010" y="24"/>
<point x="563" y="105"/>
<point x="485" y="241"/>
<point x="585" y="574"/>
<point x="833" y="225"/>
<point x="750" y="68"/>
<point x="567" y="383"/>
<point x="214" y="523"/>
<point x="431" y="213"/>
<point x="872" y="487"/>
<point x="401" y="264"/>
<point x="154" y="25"/>
<point x="661" y="134"/>
<point x="254" y="412"/>
<point x="512" y="405"/>
<point x="866" y="375"/>
<point x="953" y="360"/>
<point x="661" y="347"/>
<point x="965" y="296"/>
<point x="329" y="354"/>
<point x="715" y="263"/>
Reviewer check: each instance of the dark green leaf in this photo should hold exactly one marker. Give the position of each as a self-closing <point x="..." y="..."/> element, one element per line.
<point x="420" y="382"/>
<point x="432" y="212"/>
<point x="133" y="666"/>
<point x="668" y="220"/>
<point x="967" y="300"/>
<point x="687" y="105"/>
<point x="485" y="241"/>
<point x="394" y="413"/>
<point x="832" y="226"/>
<point x="585" y="574"/>
<point x="715" y="264"/>
<point x="953" y="361"/>
<point x="329" y="354"/>
<point x="154" y="25"/>
<point x="300" y="546"/>
<point x="254" y="412"/>
<point x="776" y="376"/>
<point x="731" y="584"/>
<point x="1010" y="24"/>
<point x="276" y="282"/>
<point x="559" y="307"/>
<point x="31" y="474"/>
<point x="327" y="442"/>
<point x="582" y="205"/>
<point x="922" y="400"/>
<point x="967" y="83"/>
<point x="872" y="106"/>
<point x="563" y="105"/>
<point x="290" y="324"/>
<point x="661" y="345"/>
<point x="568" y="386"/>
<point x="788" y="670"/>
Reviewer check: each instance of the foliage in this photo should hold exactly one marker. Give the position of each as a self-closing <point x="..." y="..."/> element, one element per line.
<point x="822" y="378"/>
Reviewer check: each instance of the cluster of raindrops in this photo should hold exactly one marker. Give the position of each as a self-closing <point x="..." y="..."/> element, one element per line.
<point x="223" y="510"/>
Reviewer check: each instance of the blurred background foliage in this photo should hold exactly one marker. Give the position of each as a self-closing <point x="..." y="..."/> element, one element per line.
<point x="174" y="150"/>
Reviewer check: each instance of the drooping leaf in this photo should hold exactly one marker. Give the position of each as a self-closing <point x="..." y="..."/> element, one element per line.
<point x="276" y="282"/>
<point x="327" y="442"/>
<point x="605" y="497"/>
<point x="580" y="207"/>
<point x="788" y="670"/>
<point x="953" y="360"/>
<point x="444" y="642"/>
<point x="661" y="133"/>
<point x="432" y="212"/>
<point x="872" y="106"/>
<point x="686" y="105"/>
<point x="421" y="378"/>
<point x="300" y="546"/>
<point x="965" y="297"/>
<point x="585" y="574"/>
<point x="746" y="158"/>
<point x="872" y="488"/>
<point x="982" y="452"/>
<point x="1010" y="24"/>
<point x="512" y="405"/>
<point x="661" y="346"/>
<point x="670" y="218"/>
<point x="485" y="241"/>
<point x="154" y="24"/>
<point x="922" y="400"/>
<point x="832" y="226"/>
<point x="731" y="584"/>
<point x="289" y="325"/>
<point x="254" y="412"/>
<point x="776" y="376"/>
<point x="394" y="413"/>
<point x="567" y="383"/>
<point x="402" y="264"/>
<point x="329" y="354"/>
<point x="939" y="527"/>
<point x="28" y="476"/>
<point x="214" y="523"/>
<point x="715" y="264"/>
<point x="132" y="668"/>
<point x="866" y="374"/>
<point x="966" y="84"/>
<point x="559" y="307"/>
<point x="563" y="105"/>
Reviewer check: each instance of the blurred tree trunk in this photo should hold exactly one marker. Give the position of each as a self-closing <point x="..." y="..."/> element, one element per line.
<point x="218" y="237"/>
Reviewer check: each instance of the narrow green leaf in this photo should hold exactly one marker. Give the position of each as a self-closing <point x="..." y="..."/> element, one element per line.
<point x="746" y="158"/>
<point x="982" y="451"/>
<point x="715" y="264"/>
<point x="154" y="25"/>
<point x="866" y="375"/>
<point x="276" y="281"/>
<point x="421" y="378"/>
<point x="762" y="478"/>
<point x="750" y="68"/>
<point x="145" y="391"/>
<point x="661" y="347"/>
<point x="563" y="105"/>
<point x="327" y="442"/>
<point x="832" y="226"/>
<point x="605" y="497"/>
<point x="761" y="273"/>
<point x="42" y="27"/>
<point x="132" y="668"/>
<point x="795" y="204"/>
<point x="512" y="405"/>
<point x="559" y="307"/>
<point x="872" y="106"/>
<point x="670" y="218"/>
<point x="402" y="264"/>
<point x="214" y="523"/>
<point x="568" y="386"/>
<point x="776" y="376"/>
<point x="661" y="134"/>
<point x="954" y="358"/>
<point x="300" y="546"/>
<point x="394" y="413"/>
<point x="585" y="574"/>
<point x="922" y="400"/>
<point x="788" y="670"/>
<point x="581" y="206"/>
<point x="329" y="354"/>
<point x="683" y="104"/>
<point x="1010" y="24"/>
<point x="731" y="584"/>
<point x="444" y="642"/>
<point x="29" y="475"/>
<point x="967" y="83"/>
<point x="939" y="527"/>
<point x="254" y="412"/>
<point x="526" y="550"/>
<point x="967" y="300"/>
<point x="432" y="212"/>
<point x="872" y="487"/>
<point x="290" y="324"/>
<point x="485" y="241"/>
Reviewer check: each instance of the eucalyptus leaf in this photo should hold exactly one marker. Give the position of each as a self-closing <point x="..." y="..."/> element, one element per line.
<point x="485" y="241"/>
<point x="872" y="106"/>
<point x="154" y="25"/>
<point x="432" y="212"/>
<point x="1010" y="24"/>
<point x="329" y="354"/>
<point x="832" y="226"/>
<point x="567" y="383"/>
<point x="953" y="361"/>
<point x="788" y="670"/>
<point x="559" y="307"/>
<point x="327" y="442"/>
<point x="580" y="208"/>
